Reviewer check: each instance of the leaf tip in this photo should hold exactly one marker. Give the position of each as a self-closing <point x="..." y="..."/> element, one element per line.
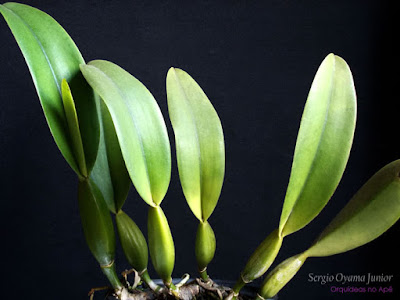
<point x="171" y="71"/>
<point x="335" y="58"/>
<point x="330" y="57"/>
<point x="64" y="85"/>
<point x="176" y="71"/>
<point x="82" y="67"/>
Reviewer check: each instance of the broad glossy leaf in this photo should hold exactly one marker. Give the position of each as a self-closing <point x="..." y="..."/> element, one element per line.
<point x="199" y="143"/>
<point x="73" y="126"/>
<point x="133" y="242"/>
<point x="109" y="172"/>
<point x="161" y="244"/>
<point x="96" y="223"/>
<point x="139" y="125"/>
<point x="51" y="56"/>
<point x="100" y="174"/>
<point x="323" y="144"/>
<point x="372" y="211"/>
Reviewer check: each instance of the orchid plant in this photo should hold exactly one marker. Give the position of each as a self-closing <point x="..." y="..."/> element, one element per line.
<point x="111" y="132"/>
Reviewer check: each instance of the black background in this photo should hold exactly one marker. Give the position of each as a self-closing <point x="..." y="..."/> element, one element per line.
<point x="255" y="60"/>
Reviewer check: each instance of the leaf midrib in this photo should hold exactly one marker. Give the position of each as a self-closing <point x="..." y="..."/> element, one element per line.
<point x="125" y="99"/>
<point x="318" y="147"/>
<point x="182" y="90"/>
<point x="67" y="137"/>
<point x="40" y="45"/>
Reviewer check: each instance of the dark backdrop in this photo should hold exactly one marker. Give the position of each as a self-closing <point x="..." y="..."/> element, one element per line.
<point x="256" y="61"/>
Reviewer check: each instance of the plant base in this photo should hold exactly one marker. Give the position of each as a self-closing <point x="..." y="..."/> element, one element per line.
<point x="194" y="289"/>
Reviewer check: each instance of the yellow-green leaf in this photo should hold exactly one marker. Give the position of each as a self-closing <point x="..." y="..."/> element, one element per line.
<point x="372" y="211"/>
<point x="199" y="143"/>
<point x="323" y="144"/>
<point x="139" y="125"/>
<point x="73" y="126"/>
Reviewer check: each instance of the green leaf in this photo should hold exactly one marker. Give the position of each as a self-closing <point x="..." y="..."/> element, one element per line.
<point x="139" y="125"/>
<point x="109" y="172"/>
<point x="73" y="126"/>
<point x="120" y="179"/>
<point x="323" y="144"/>
<point x="96" y="223"/>
<point x="51" y="56"/>
<point x="205" y="245"/>
<point x="100" y="174"/>
<point x="199" y="143"/>
<point x="372" y="211"/>
<point x="133" y="242"/>
<point x="161" y="244"/>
